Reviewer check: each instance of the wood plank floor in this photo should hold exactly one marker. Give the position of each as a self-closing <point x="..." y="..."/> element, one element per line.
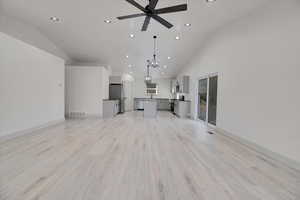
<point x="132" y="158"/>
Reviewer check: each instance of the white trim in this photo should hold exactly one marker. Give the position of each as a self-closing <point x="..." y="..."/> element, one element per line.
<point x="208" y="75"/>
<point x="30" y="130"/>
<point x="292" y="164"/>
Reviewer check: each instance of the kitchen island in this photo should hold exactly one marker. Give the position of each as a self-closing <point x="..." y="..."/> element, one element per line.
<point x="150" y="108"/>
<point x="180" y="108"/>
<point x="162" y="103"/>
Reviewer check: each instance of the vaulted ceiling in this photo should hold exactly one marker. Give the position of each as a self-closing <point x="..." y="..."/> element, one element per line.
<point x="84" y="36"/>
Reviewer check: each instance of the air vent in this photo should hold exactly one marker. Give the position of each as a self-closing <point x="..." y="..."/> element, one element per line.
<point x="77" y="114"/>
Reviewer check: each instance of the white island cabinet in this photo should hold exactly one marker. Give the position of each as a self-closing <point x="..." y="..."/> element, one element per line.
<point x="182" y="108"/>
<point x="150" y="108"/>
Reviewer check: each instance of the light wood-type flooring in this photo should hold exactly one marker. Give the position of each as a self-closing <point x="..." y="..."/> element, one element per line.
<point x="132" y="158"/>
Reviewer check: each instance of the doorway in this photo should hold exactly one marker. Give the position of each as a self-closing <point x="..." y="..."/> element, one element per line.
<point x="207" y="99"/>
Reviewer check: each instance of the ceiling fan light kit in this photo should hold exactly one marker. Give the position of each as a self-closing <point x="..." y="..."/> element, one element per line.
<point x="150" y="12"/>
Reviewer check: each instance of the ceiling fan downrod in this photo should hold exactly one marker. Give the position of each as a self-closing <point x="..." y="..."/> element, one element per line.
<point x="154" y="51"/>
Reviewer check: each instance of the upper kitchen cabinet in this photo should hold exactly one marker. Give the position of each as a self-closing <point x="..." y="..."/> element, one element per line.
<point x="180" y="85"/>
<point x="185" y="84"/>
<point x="173" y="84"/>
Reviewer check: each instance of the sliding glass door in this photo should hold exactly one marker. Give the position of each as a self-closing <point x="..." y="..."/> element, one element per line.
<point x="202" y="99"/>
<point x="207" y="99"/>
<point x="212" y="102"/>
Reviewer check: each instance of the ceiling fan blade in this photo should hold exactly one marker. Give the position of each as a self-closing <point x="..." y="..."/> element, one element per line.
<point x="162" y="21"/>
<point x="153" y="4"/>
<point x="131" y="16"/>
<point x="146" y="23"/>
<point x="135" y="4"/>
<point x="178" y="8"/>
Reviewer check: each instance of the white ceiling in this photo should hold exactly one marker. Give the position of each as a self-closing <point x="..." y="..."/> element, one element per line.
<point x="85" y="38"/>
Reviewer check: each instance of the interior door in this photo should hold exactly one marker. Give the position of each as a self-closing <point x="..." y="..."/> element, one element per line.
<point x="202" y="99"/>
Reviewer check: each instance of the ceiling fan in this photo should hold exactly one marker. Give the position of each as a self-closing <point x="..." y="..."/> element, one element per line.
<point x="150" y="12"/>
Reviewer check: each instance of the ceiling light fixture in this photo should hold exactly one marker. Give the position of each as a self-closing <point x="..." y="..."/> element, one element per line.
<point x="177" y="37"/>
<point x="54" y="19"/>
<point x="187" y="24"/>
<point x="131" y="35"/>
<point x="148" y="78"/>
<point x="209" y="1"/>
<point x="127" y="56"/>
<point x="169" y="57"/>
<point x="107" y="21"/>
<point x="154" y="62"/>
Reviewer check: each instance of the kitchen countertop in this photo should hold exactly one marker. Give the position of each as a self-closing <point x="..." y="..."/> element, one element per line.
<point x="163" y="99"/>
<point x="183" y="101"/>
<point x="136" y="98"/>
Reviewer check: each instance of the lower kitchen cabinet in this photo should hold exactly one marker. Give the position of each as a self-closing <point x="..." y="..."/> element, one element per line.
<point x="163" y="104"/>
<point x="110" y="108"/>
<point x="182" y="108"/>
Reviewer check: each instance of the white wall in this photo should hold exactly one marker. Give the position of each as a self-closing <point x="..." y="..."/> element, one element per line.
<point x="257" y="59"/>
<point x="31" y="86"/>
<point x="29" y="34"/>
<point x="164" y="84"/>
<point x="86" y="87"/>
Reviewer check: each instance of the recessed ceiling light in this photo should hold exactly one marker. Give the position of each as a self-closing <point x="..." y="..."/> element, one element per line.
<point x="187" y="24"/>
<point x="54" y="19"/>
<point x="169" y="57"/>
<point x="165" y="66"/>
<point x="209" y="1"/>
<point x="177" y="37"/>
<point x="107" y="21"/>
<point x="127" y="56"/>
<point x="131" y="35"/>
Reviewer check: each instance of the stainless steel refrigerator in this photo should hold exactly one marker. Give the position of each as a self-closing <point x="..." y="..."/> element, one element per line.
<point x="116" y="92"/>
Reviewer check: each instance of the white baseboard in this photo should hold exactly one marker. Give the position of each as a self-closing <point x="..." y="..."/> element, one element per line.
<point x="30" y="130"/>
<point x="258" y="148"/>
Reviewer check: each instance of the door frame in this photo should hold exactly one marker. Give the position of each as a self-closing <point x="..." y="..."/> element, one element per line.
<point x="207" y="97"/>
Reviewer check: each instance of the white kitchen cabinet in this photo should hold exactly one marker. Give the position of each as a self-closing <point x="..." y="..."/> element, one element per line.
<point x="163" y="104"/>
<point x="182" y="108"/>
<point x="173" y="86"/>
<point x="184" y="85"/>
<point x="110" y="108"/>
<point x="150" y="108"/>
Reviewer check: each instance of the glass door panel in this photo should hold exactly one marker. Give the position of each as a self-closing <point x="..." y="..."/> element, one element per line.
<point x="202" y="99"/>
<point x="212" y="104"/>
